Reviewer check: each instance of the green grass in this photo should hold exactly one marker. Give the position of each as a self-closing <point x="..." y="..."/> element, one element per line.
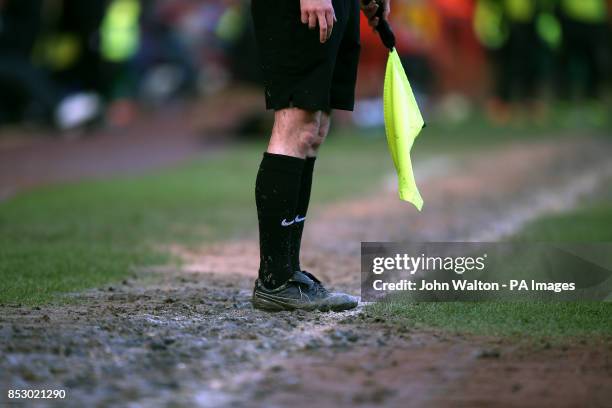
<point x="531" y="319"/>
<point x="590" y="224"/>
<point x="524" y="319"/>
<point x="477" y="131"/>
<point x="72" y="237"/>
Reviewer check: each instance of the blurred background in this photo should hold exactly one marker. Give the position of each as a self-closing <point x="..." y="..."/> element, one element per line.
<point x="112" y="86"/>
<point x="67" y="64"/>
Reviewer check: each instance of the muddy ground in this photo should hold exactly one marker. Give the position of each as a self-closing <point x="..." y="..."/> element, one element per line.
<point x="187" y="336"/>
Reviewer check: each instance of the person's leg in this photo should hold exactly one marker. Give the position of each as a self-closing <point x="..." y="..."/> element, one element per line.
<point x="316" y="142"/>
<point x="301" y="82"/>
<point x="295" y="140"/>
<point x="305" y="188"/>
<point x="295" y="134"/>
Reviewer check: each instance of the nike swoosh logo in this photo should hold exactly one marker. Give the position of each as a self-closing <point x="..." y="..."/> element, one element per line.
<point x="298" y="219"/>
<point x="286" y="223"/>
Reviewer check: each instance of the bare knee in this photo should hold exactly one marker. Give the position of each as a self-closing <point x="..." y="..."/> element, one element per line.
<point x="324" y="127"/>
<point x="319" y="138"/>
<point x="296" y="132"/>
<point x="309" y="135"/>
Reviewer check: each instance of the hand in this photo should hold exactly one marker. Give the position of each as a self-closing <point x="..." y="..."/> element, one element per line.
<point x="370" y="7"/>
<point x="319" y="12"/>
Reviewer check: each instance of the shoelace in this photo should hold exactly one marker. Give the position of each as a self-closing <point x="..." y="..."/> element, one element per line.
<point x="318" y="286"/>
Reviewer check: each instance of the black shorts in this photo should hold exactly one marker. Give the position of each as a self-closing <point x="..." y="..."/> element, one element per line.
<point x="298" y="70"/>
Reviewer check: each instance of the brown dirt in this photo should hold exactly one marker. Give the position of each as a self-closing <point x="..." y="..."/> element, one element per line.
<point x="187" y="336"/>
<point x="433" y="370"/>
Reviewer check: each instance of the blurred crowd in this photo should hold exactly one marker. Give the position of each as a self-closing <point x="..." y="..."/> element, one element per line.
<point x="71" y="63"/>
<point x="515" y="59"/>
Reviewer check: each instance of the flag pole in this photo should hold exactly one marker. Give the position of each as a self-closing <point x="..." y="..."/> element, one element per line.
<point x="383" y="28"/>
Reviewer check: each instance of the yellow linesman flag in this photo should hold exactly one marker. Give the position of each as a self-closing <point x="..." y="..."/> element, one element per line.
<point x="403" y="123"/>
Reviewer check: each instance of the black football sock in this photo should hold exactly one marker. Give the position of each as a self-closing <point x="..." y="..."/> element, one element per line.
<point x="301" y="210"/>
<point x="276" y="194"/>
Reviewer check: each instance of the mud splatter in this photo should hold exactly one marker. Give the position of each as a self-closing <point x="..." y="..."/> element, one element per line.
<point x="191" y="338"/>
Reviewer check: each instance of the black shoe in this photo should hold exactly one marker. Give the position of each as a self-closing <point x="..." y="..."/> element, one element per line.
<point x="303" y="291"/>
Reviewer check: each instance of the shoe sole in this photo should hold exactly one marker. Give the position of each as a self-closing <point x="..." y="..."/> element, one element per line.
<point x="275" y="305"/>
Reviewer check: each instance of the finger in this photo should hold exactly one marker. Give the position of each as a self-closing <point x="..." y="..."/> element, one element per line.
<point x="370" y="11"/>
<point x="367" y="5"/>
<point x="373" y="7"/>
<point x="304" y="17"/>
<point x="329" y="16"/>
<point x="322" y="27"/>
<point x="374" y="22"/>
<point x="312" y="20"/>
